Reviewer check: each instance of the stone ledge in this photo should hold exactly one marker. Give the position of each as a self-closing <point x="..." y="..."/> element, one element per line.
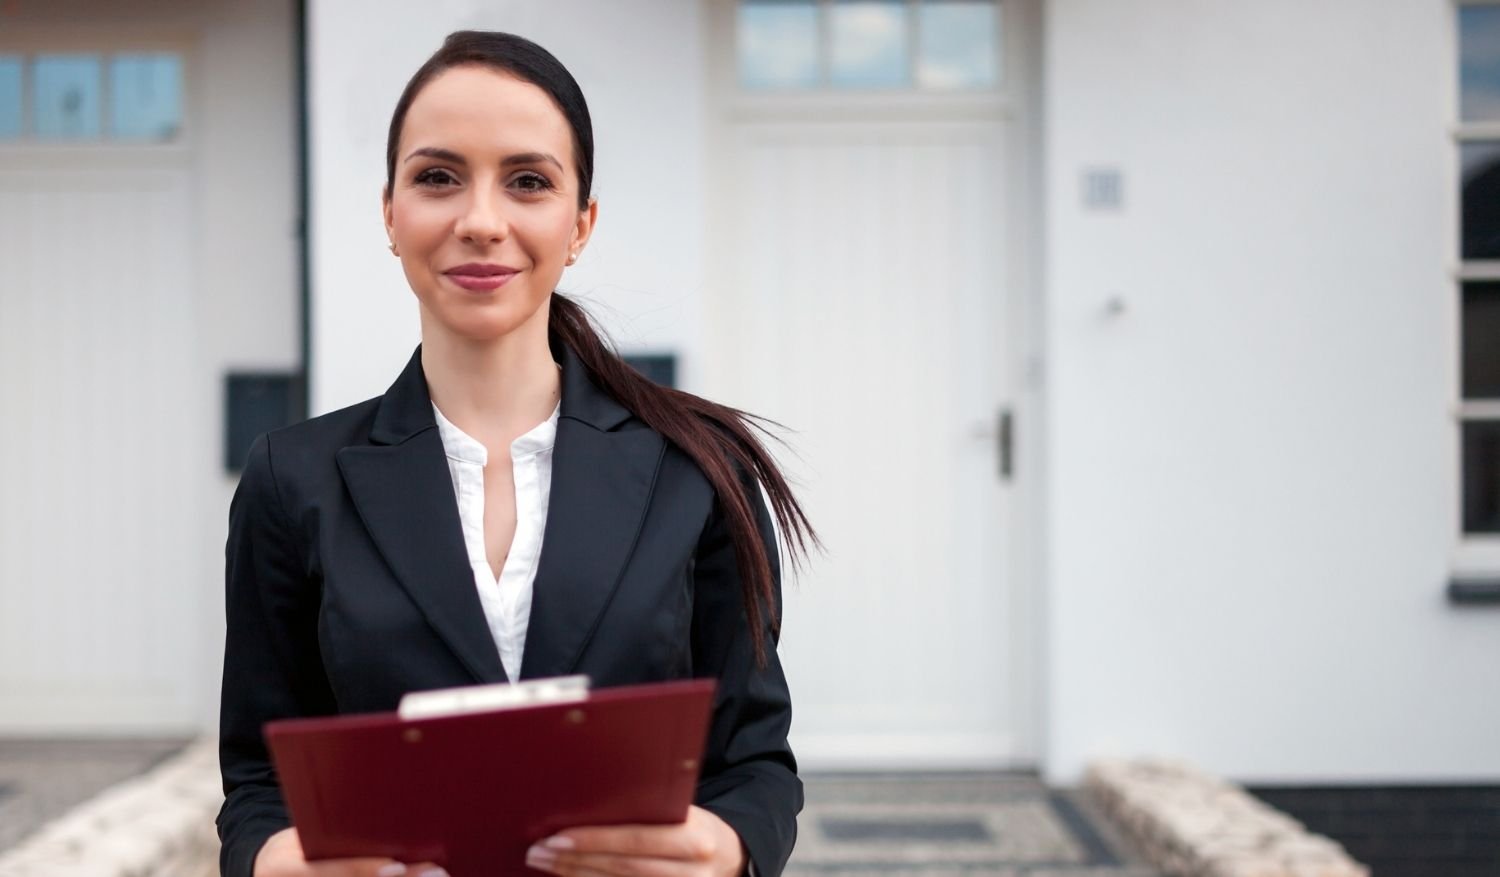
<point x="159" y="824"/>
<point x="1191" y="824"/>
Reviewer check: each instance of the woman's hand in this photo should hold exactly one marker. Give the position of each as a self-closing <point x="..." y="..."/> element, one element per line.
<point x="282" y="857"/>
<point x="703" y="846"/>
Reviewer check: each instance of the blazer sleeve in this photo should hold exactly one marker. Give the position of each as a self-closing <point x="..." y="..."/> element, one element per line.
<point x="749" y="776"/>
<point x="272" y="665"/>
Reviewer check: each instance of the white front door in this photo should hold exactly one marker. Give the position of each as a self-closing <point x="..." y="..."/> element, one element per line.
<point x="148" y="247"/>
<point x="103" y="452"/>
<point x="859" y="295"/>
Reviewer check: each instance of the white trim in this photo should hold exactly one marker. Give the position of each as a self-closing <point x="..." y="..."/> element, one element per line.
<point x="869" y="106"/>
<point x="1475" y="131"/>
<point x="1477" y="556"/>
<point x="1478" y="409"/>
<point x="1476" y="270"/>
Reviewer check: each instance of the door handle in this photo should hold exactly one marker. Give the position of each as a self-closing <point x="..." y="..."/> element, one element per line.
<point x="1002" y="433"/>
<point x="1005" y="444"/>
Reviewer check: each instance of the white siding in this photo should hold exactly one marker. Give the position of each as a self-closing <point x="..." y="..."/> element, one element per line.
<point x="1252" y="491"/>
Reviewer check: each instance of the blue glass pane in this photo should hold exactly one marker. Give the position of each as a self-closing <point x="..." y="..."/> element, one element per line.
<point x="957" y="44"/>
<point x="1479" y="63"/>
<point x="867" y="44"/>
<point x="778" y="44"/>
<point x="10" y="97"/>
<point x="145" y="96"/>
<point x="67" y="96"/>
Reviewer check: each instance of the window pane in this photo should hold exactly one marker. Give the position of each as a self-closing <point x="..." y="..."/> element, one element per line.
<point x="1481" y="461"/>
<point x="956" y="44"/>
<point x="867" y="44"/>
<point x="10" y="97"/>
<point x="145" y="96"/>
<point x="1481" y="340"/>
<point x="1479" y="63"/>
<point x="67" y="96"/>
<point x="778" y="44"/>
<point x="1481" y="200"/>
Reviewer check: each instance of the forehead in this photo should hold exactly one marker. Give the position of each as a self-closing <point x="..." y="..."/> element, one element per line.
<point x="480" y="111"/>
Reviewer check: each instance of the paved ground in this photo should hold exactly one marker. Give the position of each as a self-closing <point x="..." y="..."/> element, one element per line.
<point x="933" y="825"/>
<point x="970" y="824"/>
<point x="42" y="779"/>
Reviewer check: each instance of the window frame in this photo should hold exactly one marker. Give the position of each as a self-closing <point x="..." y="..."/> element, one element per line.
<point x="825" y="89"/>
<point x="29" y="42"/>
<point x="1475" y="554"/>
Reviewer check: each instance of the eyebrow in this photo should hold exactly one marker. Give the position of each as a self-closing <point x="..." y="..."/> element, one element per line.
<point x="448" y="155"/>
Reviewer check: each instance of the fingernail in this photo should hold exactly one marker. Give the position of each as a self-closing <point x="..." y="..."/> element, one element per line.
<point x="540" y="859"/>
<point x="433" y="872"/>
<point x="559" y="842"/>
<point x="394" y="869"/>
<point x="540" y="854"/>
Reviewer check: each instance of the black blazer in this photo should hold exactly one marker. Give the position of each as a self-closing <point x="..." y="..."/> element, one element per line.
<point x="347" y="585"/>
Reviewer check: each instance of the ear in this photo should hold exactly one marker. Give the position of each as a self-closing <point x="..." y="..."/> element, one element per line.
<point x="385" y="212"/>
<point x="584" y="227"/>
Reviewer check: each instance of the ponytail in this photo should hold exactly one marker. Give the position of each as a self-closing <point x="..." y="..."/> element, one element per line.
<point x="721" y="441"/>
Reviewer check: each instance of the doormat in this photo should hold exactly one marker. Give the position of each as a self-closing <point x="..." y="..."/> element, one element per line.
<point x="934" y="825"/>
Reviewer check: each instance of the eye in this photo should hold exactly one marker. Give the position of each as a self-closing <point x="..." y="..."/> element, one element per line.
<point x="531" y="182"/>
<point x="434" y="177"/>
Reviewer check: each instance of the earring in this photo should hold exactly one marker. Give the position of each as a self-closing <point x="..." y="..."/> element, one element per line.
<point x="572" y="257"/>
<point x="393" y="249"/>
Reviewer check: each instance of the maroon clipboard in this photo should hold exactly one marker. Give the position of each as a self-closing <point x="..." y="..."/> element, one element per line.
<point x="472" y="792"/>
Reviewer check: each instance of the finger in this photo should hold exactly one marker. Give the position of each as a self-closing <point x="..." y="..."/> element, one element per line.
<point x="579" y="872"/>
<point x="423" y="869"/>
<point x="678" y="841"/>
<point x="589" y="864"/>
<point x="375" y="868"/>
<point x="364" y="867"/>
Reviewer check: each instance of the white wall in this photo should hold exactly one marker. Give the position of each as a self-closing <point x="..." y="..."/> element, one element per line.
<point x="640" y="68"/>
<point x="1252" y="468"/>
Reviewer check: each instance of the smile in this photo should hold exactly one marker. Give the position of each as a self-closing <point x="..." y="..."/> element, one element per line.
<point x="480" y="276"/>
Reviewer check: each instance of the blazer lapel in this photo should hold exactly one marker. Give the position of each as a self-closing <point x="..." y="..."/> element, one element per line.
<point x="404" y="495"/>
<point x="602" y="478"/>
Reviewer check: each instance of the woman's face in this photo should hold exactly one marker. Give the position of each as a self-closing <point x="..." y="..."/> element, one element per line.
<point x="484" y="211"/>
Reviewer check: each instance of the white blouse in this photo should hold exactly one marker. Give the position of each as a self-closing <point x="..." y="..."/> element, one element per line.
<point x="507" y="601"/>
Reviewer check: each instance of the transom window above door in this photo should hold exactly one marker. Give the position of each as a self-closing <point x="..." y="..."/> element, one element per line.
<point x="864" y="45"/>
<point x="84" y="97"/>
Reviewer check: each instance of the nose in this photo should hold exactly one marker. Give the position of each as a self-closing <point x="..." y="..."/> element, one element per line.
<point x="483" y="220"/>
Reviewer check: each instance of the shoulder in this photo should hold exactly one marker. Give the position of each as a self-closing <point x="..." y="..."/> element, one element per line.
<point x="304" y="453"/>
<point x="326" y="433"/>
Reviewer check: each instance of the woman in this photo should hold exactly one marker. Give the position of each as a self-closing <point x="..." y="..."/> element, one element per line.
<point x="398" y="545"/>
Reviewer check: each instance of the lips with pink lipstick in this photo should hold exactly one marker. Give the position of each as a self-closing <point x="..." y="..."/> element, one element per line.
<point x="480" y="276"/>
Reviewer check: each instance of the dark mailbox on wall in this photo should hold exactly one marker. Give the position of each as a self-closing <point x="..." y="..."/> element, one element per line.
<point x="257" y="402"/>
<point x="661" y="368"/>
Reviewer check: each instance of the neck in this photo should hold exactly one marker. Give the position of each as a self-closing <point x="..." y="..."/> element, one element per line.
<point x="493" y="390"/>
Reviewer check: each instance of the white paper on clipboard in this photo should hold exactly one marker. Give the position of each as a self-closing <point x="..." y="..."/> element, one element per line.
<point x="482" y="698"/>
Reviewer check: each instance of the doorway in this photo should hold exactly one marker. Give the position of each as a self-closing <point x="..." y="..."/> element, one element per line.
<point x="863" y="292"/>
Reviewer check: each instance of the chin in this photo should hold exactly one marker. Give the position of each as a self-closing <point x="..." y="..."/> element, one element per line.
<point x="488" y="323"/>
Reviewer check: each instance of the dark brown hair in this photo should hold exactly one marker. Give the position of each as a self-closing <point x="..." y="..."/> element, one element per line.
<point x="724" y="442"/>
